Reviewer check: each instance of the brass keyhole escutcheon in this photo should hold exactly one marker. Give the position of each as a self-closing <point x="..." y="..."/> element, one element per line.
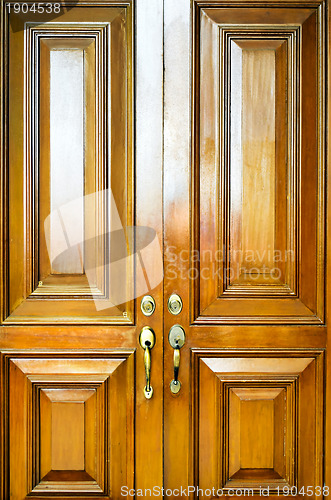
<point x="175" y="304"/>
<point x="147" y="305"/>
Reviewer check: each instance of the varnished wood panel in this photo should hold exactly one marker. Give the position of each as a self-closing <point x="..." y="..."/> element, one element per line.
<point x="255" y="408"/>
<point x="69" y="423"/>
<point x="268" y="410"/>
<point x="253" y="212"/>
<point x="251" y="165"/>
<point x="250" y="423"/>
<point x="38" y="277"/>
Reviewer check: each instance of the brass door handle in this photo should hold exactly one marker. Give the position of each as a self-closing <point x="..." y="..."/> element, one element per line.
<point x="175" y="383"/>
<point x="147" y="342"/>
<point x="176" y="340"/>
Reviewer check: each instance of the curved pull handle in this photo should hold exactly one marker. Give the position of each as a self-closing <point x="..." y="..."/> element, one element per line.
<point x="147" y="342"/>
<point x="176" y="340"/>
<point x="176" y="364"/>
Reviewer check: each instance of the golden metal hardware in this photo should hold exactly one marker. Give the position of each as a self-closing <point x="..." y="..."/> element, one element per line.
<point x="147" y="342"/>
<point x="175" y="304"/>
<point x="176" y="340"/>
<point x="147" y="305"/>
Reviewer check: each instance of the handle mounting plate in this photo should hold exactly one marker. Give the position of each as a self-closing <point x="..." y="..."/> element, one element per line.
<point x="176" y="336"/>
<point x="147" y="337"/>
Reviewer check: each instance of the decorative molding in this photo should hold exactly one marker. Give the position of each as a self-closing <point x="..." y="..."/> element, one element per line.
<point x="42" y="391"/>
<point x="28" y="298"/>
<point x="300" y="297"/>
<point x="266" y="385"/>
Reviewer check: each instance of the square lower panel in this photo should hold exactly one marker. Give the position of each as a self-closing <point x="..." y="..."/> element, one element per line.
<point x="259" y="440"/>
<point x="70" y="423"/>
<point x="69" y="436"/>
<point x="258" y="418"/>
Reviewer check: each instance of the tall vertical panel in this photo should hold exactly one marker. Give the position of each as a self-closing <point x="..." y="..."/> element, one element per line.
<point x="258" y="139"/>
<point x="251" y="169"/>
<point x="252" y="164"/>
<point x="74" y="182"/>
<point x="72" y="213"/>
<point x="67" y="153"/>
<point x="254" y="416"/>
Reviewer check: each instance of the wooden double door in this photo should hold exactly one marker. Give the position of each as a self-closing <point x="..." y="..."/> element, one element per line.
<point x="174" y="149"/>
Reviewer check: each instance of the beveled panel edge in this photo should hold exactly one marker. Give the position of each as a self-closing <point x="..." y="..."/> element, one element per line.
<point x="81" y="353"/>
<point x="258" y="320"/>
<point x="257" y="3"/>
<point x="38" y="484"/>
<point x="265" y="32"/>
<point x="34" y="34"/>
<point x="64" y="320"/>
<point x="129" y="318"/>
<point x="289" y="384"/>
<point x="278" y="352"/>
<point x="6" y="355"/>
<point x="196" y="354"/>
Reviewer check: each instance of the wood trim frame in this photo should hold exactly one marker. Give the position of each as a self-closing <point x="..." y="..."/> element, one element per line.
<point x="109" y="372"/>
<point x="29" y="293"/>
<point x="39" y="41"/>
<point x="327" y="445"/>
<point x="303" y="304"/>
<point x="215" y="410"/>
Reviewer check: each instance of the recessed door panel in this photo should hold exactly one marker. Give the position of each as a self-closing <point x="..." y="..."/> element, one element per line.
<point x="71" y="172"/>
<point x="258" y="187"/>
<point x="258" y="197"/>
<point x="251" y="424"/>
<point x="76" y="436"/>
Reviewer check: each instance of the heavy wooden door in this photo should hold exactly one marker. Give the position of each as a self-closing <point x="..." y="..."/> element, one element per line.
<point x="245" y="232"/>
<point x="81" y="147"/>
<point x="164" y="147"/>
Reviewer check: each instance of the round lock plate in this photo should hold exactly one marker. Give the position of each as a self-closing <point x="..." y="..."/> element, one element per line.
<point x="147" y="305"/>
<point x="175" y="304"/>
<point x="176" y="336"/>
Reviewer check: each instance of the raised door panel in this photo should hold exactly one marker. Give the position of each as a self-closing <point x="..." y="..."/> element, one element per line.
<point x="258" y="419"/>
<point x="69" y="210"/>
<point x="69" y="423"/>
<point x="258" y="164"/>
